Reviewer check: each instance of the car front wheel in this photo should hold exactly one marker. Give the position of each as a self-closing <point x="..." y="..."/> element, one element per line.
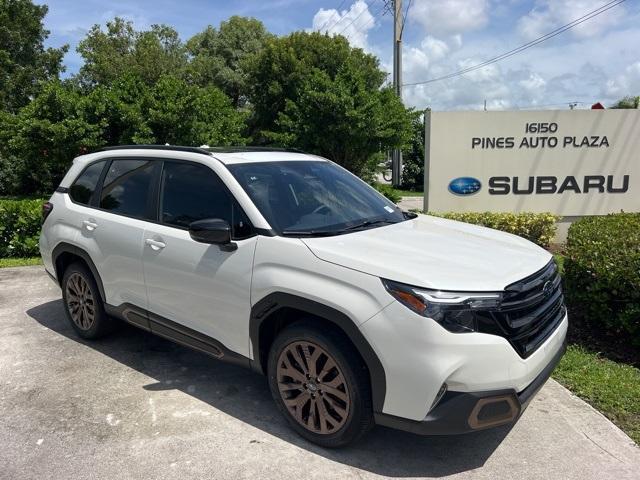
<point x="320" y="384"/>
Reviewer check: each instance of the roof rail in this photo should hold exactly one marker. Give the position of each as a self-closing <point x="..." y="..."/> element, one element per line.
<point x="237" y="149"/>
<point x="203" y="149"/>
<point x="175" y="148"/>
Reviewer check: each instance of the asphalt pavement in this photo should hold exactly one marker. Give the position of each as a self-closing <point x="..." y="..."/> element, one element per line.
<point x="137" y="406"/>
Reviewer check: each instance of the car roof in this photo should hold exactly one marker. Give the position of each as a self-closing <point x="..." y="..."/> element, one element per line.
<point x="272" y="156"/>
<point x="226" y="155"/>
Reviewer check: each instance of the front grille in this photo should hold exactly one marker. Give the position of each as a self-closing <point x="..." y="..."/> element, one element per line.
<point x="531" y="310"/>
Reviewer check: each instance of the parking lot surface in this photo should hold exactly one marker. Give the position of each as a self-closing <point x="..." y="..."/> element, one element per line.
<point x="137" y="406"/>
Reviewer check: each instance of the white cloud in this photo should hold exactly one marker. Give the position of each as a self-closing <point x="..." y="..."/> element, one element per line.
<point x="450" y="16"/>
<point x="353" y="23"/>
<point x="626" y="83"/>
<point x="582" y="68"/>
<point x="533" y="83"/>
<point x="547" y="15"/>
<point x="434" y="47"/>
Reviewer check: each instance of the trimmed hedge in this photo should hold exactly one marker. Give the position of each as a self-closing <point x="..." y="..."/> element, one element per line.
<point x="540" y="228"/>
<point x="388" y="191"/>
<point x="20" y="222"/>
<point x="602" y="272"/>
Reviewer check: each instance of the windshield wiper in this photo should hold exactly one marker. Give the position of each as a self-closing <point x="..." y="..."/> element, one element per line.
<point x="367" y="223"/>
<point x="327" y="233"/>
<point x="310" y="233"/>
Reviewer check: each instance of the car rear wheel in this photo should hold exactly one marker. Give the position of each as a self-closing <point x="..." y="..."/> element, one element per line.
<point x="320" y="384"/>
<point x="83" y="304"/>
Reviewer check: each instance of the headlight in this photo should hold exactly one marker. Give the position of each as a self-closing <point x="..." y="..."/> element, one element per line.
<point x="455" y="311"/>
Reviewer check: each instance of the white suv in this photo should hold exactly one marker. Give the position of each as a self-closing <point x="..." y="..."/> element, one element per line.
<point x="284" y="262"/>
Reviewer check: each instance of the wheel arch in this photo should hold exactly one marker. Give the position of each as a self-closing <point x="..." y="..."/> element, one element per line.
<point x="65" y="253"/>
<point x="270" y="315"/>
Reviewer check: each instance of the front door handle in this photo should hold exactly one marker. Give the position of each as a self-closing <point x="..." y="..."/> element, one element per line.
<point x="89" y="225"/>
<point x="155" y="244"/>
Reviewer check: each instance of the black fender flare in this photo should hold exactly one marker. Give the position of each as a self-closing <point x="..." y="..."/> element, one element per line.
<point x="277" y="300"/>
<point x="64" y="247"/>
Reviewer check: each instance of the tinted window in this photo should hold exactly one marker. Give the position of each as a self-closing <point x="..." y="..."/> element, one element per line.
<point x="191" y="192"/>
<point x="313" y="197"/>
<point x="126" y="187"/>
<point x="85" y="184"/>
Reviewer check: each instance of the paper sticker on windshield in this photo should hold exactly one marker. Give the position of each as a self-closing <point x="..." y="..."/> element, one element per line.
<point x="388" y="208"/>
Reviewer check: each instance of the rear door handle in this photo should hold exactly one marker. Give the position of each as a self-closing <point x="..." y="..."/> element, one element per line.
<point x="89" y="225"/>
<point x="155" y="244"/>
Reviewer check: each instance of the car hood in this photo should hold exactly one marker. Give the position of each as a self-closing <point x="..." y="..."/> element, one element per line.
<point x="435" y="253"/>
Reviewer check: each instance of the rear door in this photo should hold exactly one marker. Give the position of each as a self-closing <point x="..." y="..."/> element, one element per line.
<point x="196" y="285"/>
<point x="111" y="231"/>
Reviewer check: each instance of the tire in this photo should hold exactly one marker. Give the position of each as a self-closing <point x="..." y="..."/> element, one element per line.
<point x="343" y="414"/>
<point x="83" y="304"/>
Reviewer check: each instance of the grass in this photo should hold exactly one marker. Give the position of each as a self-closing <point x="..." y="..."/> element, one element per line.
<point x="612" y="388"/>
<point x="404" y="193"/>
<point x="20" y="262"/>
<point x="408" y="193"/>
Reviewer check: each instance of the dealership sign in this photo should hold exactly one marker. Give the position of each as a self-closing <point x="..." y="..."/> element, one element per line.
<point x="570" y="162"/>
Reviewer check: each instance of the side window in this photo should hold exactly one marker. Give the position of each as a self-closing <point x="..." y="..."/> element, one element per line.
<point x="191" y="192"/>
<point x="84" y="186"/>
<point x="126" y="187"/>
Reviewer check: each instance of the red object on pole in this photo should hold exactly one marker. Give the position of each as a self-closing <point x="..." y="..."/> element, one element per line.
<point x="597" y="106"/>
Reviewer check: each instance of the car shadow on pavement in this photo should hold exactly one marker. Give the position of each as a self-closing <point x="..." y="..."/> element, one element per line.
<point x="245" y="396"/>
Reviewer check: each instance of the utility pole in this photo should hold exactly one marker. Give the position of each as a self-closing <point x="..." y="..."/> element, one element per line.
<point x="398" y="24"/>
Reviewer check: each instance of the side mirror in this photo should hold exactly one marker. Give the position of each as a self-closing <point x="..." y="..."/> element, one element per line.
<point x="213" y="231"/>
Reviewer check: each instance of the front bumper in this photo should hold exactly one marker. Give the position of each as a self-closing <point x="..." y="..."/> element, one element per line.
<point x="419" y="356"/>
<point x="464" y="412"/>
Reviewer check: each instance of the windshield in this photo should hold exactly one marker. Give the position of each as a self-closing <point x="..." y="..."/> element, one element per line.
<point x="303" y="198"/>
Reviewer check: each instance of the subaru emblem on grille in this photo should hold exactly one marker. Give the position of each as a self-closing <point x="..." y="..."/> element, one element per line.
<point x="547" y="287"/>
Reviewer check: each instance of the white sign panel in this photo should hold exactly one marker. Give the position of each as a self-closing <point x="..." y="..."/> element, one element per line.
<point x="569" y="162"/>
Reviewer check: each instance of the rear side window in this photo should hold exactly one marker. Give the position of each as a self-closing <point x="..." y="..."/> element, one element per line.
<point x="84" y="186"/>
<point x="191" y="192"/>
<point x="126" y="187"/>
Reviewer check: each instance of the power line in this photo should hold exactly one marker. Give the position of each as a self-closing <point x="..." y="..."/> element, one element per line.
<point x="532" y="43"/>
<point x="337" y="10"/>
<point x="404" y="19"/>
<point x="366" y="9"/>
<point x="373" y="18"/>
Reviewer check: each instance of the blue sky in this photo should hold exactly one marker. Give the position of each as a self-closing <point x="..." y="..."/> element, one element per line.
<point x="597" y="61"/>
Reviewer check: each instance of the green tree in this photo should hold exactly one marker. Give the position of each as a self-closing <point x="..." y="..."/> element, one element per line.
<point x="121" y="50"/>
<point x="47" y="134"/>
<point x="219" y="56"/>
<point x="413" y="156"/>
<point x="627" y="102"/>
<point x="119" y="108"/>
<point x="184" y="114"/>
<point x="65" y="121"/>
<point x="315" y="92"/>
<point x="24" y="62"/>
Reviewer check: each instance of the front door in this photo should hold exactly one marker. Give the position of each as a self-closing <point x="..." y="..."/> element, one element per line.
<point x="197" y="285"/>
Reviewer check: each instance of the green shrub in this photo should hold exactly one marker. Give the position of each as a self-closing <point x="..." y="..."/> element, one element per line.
<point x="20" y="222"/>
<point x="539" y="228"/>
<point x="388" y="191"/>
<point x="602" y="272"/>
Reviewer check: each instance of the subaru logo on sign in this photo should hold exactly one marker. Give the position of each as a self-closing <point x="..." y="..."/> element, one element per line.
<point x="464" y="186"/>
